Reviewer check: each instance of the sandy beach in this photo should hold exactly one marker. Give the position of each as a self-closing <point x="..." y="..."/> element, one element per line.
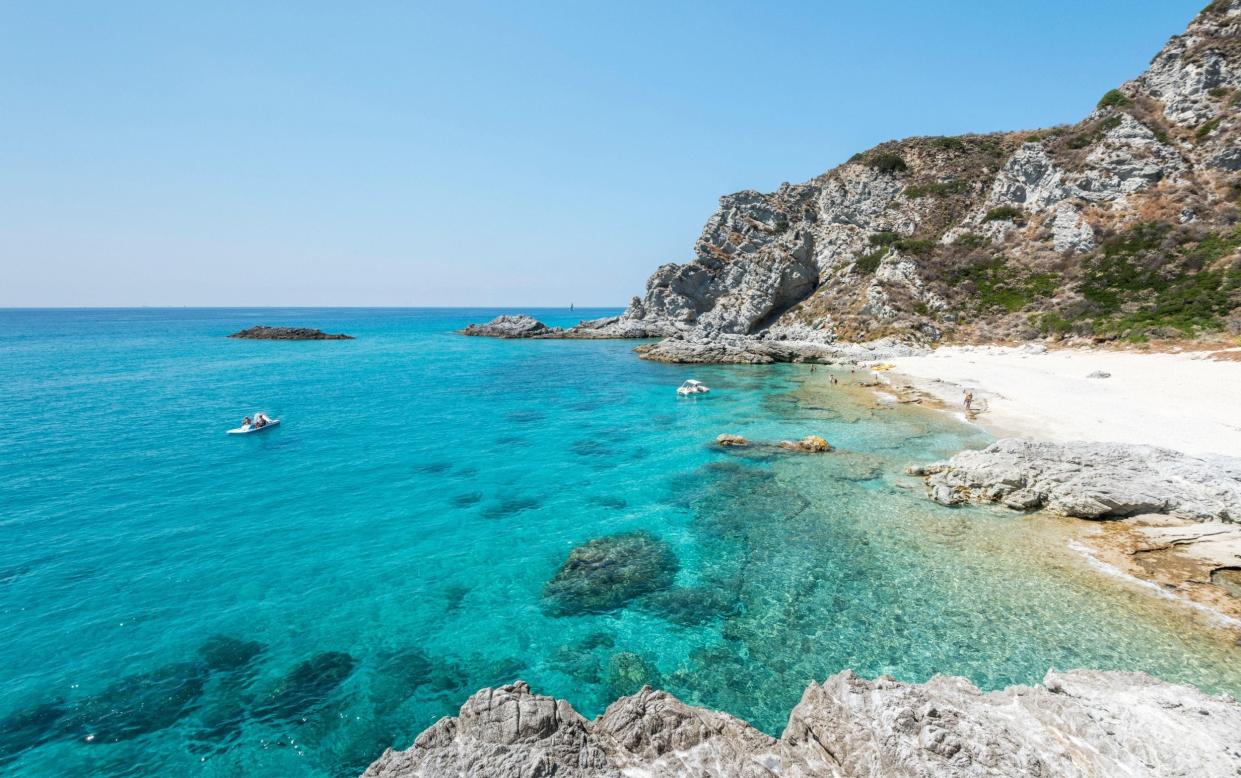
<point x="1188" y="401"/>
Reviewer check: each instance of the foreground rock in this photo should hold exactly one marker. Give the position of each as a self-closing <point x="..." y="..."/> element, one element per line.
<point x="1075" y="724"/>
<point x="1090" y="480"/>
<point x="263" y="332"/>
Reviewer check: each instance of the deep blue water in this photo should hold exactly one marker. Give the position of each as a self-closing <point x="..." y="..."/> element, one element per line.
<point x="384" y="552"/>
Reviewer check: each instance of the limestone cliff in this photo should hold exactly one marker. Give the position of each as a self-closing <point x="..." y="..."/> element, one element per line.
<point x="1121" y="226"/>
<point x="1080" y="723"/>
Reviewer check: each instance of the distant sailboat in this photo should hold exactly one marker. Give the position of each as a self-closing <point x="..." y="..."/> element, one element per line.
<point x="570" y="306"/>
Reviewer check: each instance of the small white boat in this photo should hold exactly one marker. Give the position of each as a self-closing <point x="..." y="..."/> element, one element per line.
<point x="691" y="387"/>
<point x="247" y="429"/>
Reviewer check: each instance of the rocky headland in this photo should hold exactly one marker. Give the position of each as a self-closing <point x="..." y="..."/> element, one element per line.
<point x="1078" y="723"/>
<point x="1120" y="227"/>
<point x="263" y="332"/>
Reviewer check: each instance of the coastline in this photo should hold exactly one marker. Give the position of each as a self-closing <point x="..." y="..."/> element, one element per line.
<point x="1184" y="401"/>
<point x="1049" y="396"/>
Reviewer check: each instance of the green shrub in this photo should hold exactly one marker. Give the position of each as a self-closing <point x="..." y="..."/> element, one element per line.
<point x="1217" y="92"/>
<point x="1207" y="127"/>
<point x="1161" y="135"/>
<point x="935" y="189"/>
<point x="1142" y="282"/>
<point x="869" y="263"/>
<point x="1114" y="99"/>
<point x="996" y="285"/>
<point x="916" y="245"/>
<point x="858" y="157"/>
<point x="1096" y="133"/>
<point x="1050" y="323"/>
<point x="1003" y="213"/>
<point x="1218" y="7"/>
<point x="887" y="162"/>
<point x="948" y="143"/>
<point x="908" y="245"/>
<point x="970" y="240"/>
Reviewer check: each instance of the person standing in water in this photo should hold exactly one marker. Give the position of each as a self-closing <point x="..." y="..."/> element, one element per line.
<point x="969" y="401"/>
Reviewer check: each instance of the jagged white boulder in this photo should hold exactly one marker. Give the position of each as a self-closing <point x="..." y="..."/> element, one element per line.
<point x="1077" y="724"/>
<point x="1090" y="480"/>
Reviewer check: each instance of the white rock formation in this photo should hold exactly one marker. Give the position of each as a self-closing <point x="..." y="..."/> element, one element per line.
<point x="1090" y="480"/>
<point x="1074" y="725"/>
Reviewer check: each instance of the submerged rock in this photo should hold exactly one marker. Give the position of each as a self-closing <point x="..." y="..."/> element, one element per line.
<point x="628" y="672"/>
<point x="606" y="573"/>
<point x="139" y="704"/>
<point x="1077" y="724"/>
<point x="1090" y="480"/>
<point x="688" y="606"/>
<point x="306" y="686"/>
<point x="228" y="654"/>
<point x="263" y="332"/>
<point x="30" y="727"/>
<point x="731" y="440"/>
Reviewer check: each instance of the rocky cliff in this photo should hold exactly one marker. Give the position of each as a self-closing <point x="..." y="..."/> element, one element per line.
<point x="1123" y="225"/>
<point x="1080" y="723"/>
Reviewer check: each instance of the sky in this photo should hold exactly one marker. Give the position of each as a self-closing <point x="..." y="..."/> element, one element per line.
<point x="489" y="154"/>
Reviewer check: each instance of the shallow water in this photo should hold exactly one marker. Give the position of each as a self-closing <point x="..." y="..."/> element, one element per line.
<point x="384" y="552"/>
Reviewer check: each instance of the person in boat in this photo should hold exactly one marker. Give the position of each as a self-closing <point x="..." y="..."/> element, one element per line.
<point x="260" y="420"/>
<point x="246" y="422"/>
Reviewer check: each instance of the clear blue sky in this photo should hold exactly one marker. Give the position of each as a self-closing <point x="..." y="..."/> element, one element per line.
<point x="303" y="153"/>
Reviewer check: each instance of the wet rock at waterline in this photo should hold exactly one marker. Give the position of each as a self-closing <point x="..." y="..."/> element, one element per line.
<point x="606" y="573"/>
<point x="263" y="332"/>
<point x="811" y="444"/>
<point x="731" y="440"/>
<point x="306" y="686"/>
<point x="519" y="326"/>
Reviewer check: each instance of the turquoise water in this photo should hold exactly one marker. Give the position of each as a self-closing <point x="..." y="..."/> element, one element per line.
<point x="383" y="553"/>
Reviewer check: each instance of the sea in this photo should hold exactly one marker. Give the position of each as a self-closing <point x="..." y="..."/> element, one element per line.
<point x="179" y="601"/>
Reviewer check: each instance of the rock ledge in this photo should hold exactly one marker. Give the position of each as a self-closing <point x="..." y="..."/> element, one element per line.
<point x="1075" y="724"/>
<point x="1090" y="480"/>
<point x="263" y="332"/>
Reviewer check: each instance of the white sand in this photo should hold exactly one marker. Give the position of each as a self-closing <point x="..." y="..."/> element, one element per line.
<point x="1181" y="401"/>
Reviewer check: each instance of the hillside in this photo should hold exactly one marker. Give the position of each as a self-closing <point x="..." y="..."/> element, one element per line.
<point x="1123" y="226"/>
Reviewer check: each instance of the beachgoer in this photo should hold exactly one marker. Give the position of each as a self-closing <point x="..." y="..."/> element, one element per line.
<point x="969" y="400"/>
<point x="246" y="422"/>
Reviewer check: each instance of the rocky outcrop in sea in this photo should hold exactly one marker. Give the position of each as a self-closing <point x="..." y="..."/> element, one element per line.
<point x="1122" y="225"/>
<point x="1090" y="480"/>
<point x="1078" y="723"/>
<point x="263" y="332"/>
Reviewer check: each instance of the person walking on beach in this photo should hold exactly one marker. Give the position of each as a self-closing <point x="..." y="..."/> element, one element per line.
<point x="969" y="401"/>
